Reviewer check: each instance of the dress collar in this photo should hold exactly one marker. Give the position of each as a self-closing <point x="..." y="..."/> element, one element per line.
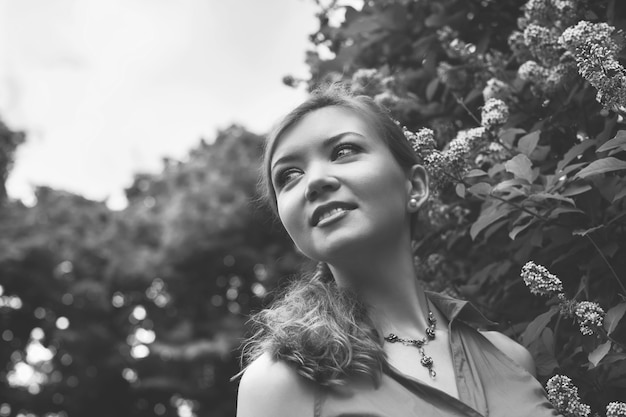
<point x="455" y="309"/>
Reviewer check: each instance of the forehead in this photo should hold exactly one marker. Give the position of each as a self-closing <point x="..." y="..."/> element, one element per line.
<point x="318" y="125"/>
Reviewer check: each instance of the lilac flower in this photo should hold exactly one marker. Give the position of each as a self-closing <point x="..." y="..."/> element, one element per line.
<point x="518" y="46"/>
<point x="590" y="316"/>
<point x="438" y="165"/>
<point x="533" y="72"/>
<point x="495" y="113"/>
<point x="595" y="52"/>
<point x="496" y="88"/>
<point x="564" y="397"/>
<point x="616" y="409"/>
<point x="567" y="307"/>
<point x="537" y="10"/>
<point x="422" y="141"/>
<point x="566" y="12"/>
<point x="540" y="281"/>
<point x="543" y="43"/>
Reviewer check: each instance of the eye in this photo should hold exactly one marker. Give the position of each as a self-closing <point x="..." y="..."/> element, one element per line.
<point x="345" y="149"/>
<point x="286" y="176"/>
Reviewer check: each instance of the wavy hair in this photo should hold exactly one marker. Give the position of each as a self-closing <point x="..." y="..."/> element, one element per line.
<point x="319" y="328"/>
<point x="323" y="330"/>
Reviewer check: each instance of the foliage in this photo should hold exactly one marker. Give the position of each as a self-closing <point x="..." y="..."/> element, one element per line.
<point x="137" y="312"/>
<point x="519" y="111"/>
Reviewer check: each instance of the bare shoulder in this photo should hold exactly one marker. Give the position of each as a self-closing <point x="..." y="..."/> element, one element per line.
<point x="512" y="349"/>
<point x="273" y="388"/>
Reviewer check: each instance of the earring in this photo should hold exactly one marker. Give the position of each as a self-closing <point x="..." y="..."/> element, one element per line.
<point x="413" y="203"/>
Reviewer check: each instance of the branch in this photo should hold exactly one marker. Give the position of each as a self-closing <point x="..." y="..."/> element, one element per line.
<point x="607" y="263"/>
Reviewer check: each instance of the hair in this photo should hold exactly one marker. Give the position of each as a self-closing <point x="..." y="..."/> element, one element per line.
<point x="319" y="328"/>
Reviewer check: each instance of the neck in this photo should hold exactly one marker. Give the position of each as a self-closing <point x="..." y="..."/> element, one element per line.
<point x="387" y="284"/>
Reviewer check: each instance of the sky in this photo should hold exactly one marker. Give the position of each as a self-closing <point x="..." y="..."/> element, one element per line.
<point x="105" y="89"/>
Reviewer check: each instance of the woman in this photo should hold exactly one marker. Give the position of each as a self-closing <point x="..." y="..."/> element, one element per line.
<point x="360" y="336"/>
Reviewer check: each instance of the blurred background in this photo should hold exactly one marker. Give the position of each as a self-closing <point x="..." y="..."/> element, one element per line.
<point x="133" y="247"/>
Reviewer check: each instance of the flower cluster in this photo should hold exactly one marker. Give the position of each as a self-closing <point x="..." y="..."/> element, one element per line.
<point x="495" y="113"/>
<point x="616" y="409"/>
<point x="547" y="80"/>
<point x="595" y="52"/>
<point x="469" y="139"/>
<point x="564" y="397"/>
<point x="438" y="165"/>
<point x="567" y="307"/>
<point x="590" y="316"/>
<point x="518" y="46"/>
<point x="422" y="141"/>
<point x="543" y="43"/>
<point x="540" y="280"/>
<point x="450" y="164"/>
<point x="546" y="64"/>
<point x="560" y="13"/>
<point x="496" y="88"/>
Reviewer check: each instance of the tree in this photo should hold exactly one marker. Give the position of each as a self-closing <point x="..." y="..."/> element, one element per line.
<point x="137" y="312"/>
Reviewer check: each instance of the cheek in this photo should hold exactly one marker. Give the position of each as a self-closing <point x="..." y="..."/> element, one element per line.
<point x="288" y="214"/>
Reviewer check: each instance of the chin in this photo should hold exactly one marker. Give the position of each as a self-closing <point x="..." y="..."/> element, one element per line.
<point x="339" y="247"/>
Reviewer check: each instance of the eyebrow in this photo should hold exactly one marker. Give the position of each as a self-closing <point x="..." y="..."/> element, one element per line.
<point x="326" y="143"/>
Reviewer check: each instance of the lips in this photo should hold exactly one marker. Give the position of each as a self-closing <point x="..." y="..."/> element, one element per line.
<point x="329" y="209"/>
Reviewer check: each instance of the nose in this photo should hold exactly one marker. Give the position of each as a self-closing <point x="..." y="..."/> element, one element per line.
<point x="320" y="182"/>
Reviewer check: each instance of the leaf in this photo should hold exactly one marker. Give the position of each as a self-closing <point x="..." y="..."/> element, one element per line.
<point x="574" y="151"/>
<point x="585" y="232"/>
<point x="613" y="316"/>
<point x="431" y="89"/>
<point x="508" y="135"/>
<point x="519" y="229"/>
<point x="535" y="328"/>
<point x="480" y="189"/>
<point x="521" y="167"/>
<point x="508" y="185"/>
<point x="540" y="153"/>
<point x="552" y="196"/>
<point x="575" y="189"/>
<point x="528" y="143"/>
<point x="488" y="216"/>
<point x="619" y="141"/>
<point x="460" y="190"/>
<point x="620" y="194"/>
<point x="475" y="173"/>
<point x="600" y="352"/>
<point x="601" y="166"/>
<point x="547" y="337"/>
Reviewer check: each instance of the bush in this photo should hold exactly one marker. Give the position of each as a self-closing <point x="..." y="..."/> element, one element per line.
<point x="517" y="110"/>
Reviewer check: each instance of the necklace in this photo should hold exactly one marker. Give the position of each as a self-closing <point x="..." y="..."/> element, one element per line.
<point x="426" y="360"/>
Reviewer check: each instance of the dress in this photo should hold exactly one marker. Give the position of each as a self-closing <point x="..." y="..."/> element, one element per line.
<point x="489" y="382"/>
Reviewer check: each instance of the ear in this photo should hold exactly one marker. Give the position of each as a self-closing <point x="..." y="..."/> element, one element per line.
<point x="417" y="187"/>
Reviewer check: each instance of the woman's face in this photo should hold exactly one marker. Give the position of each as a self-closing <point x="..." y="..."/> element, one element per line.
<point x="339" y="190"/>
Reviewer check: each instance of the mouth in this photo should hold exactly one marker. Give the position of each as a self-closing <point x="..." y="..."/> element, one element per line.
<point x="330" y="211"/>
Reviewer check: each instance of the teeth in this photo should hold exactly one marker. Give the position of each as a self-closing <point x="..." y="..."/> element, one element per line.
<point x="330" y="213"/>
